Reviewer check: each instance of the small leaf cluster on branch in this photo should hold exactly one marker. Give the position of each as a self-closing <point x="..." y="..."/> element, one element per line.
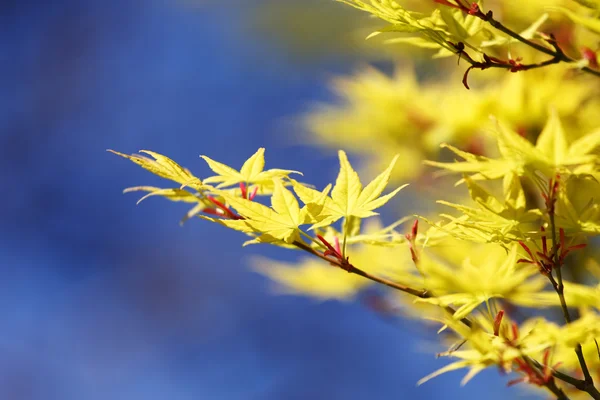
<point x="517" y="245"/>
<point x="460" y="27"/>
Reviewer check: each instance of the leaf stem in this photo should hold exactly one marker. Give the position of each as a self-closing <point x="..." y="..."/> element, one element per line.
<point x="312" y="239"/>
<point x="494" y="62"/>
<point x="345" y="236"/>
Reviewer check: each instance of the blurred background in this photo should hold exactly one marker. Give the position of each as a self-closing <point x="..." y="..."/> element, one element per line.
<point x="101" y="299"/>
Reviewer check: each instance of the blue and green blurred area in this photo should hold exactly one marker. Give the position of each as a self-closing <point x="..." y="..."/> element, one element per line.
<point x="102" y="299"/>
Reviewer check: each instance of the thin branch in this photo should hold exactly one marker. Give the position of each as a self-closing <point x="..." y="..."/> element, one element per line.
<point x="550" y="384"/>
<point x="576" y="383"/>
<point x="556" y="53"/>
<point x="489" y="18"/>
<point x="422" y="293"/>
<point x="558" y="392"/>
<point x="346" y="266"/>
<point x="494" y="62"/>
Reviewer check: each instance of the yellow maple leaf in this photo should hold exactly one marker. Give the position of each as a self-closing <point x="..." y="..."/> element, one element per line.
<point x="551" y="153"/>
<point x="313" y="277"/>
<point x="252" y="172"/>
<point x="164" y="167"/>
<point x="280" y="222"/>
<point x="349" y="199"/>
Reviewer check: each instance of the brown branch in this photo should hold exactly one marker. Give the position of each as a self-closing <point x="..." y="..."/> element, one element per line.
<point x="346" y="266"/>
<point x="494" y="62"/>
<point x="550" y="384"/>
<point x="576" y="383"/>
<point x="557" y="54"/>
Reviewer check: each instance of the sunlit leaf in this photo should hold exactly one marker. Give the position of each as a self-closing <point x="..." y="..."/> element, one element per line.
<point x="349" y="199"/>
<point x="252" y="172"/>
<point x="164" y="167"/>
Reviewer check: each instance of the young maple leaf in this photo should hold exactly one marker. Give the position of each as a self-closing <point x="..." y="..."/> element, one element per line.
<point x="349" y="199"/>
<point x="435" y="31"/>
<point x="311" y="276"/>
<point x="318" y="207"/>
<point x="164" y="167"/>
<point x="493" y="220"/>
<point x="573" y="213"/>
<point x="252" y="172"/>
<point x="552" y="153"/>
<point x="487" y="273"/>
<point x="280" y="222"/>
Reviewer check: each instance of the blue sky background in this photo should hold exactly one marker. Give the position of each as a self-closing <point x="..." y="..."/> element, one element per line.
<point x="102" y="299"/>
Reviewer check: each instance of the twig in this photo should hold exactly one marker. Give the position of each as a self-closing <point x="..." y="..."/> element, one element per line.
<point x="556" y="53"/>
<point x="576" y="383"/>
<point x="494" y="62"/>
<point x="346" y="266"/>
<point x="550" y="384"/>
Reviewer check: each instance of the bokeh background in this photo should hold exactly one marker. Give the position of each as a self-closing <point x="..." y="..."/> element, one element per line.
<point x="102" y="299"/>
